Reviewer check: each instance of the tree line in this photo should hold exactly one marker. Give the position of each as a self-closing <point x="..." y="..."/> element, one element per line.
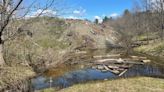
<point x="145" y="18"/>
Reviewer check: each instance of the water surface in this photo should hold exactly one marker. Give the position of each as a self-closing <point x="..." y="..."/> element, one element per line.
<point x="67" y="75"/>
<point x="87" y="74"/>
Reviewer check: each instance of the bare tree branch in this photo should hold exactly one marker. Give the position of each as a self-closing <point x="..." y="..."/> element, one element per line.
<point x="9" y="16"/>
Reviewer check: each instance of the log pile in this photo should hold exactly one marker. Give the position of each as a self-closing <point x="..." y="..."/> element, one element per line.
<point x="118" y="70"/>
<point x="118" y="66"/>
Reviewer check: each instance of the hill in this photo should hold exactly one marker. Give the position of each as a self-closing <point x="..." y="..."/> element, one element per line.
<point x="45" y="41"/>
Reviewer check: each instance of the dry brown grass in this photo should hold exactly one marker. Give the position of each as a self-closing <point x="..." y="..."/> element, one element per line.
<point x="13" y="75"/>
<point x="143" y="84"/>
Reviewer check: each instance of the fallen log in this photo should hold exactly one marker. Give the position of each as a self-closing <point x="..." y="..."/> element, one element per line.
<point x="107" y="56"/>
<point x="115" y="71"/>
<point x="106" y="68"/>
<point x="146" y="61"/>
<point x="106" y="60"/>
<point x="115" y="62"/>
<point x="104" y="71"/>
<point x="123" y="72"/>
<point x="113" y="67"/>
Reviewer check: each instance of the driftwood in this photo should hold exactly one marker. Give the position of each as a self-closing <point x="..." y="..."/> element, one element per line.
<point x="116" y="66"/>
<point x="146" y="61"/>
<point x="116" y="69"/>
<point x="123" y="72"/>
<point x="107" y="56"/>
<point x="116" y="62"/>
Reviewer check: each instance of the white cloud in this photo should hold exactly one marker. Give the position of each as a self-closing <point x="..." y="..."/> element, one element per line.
<point x="100" y="20"/>
<point x="41" y="12"/>
<point x="153" y="1"/>
<point x="113" y="15"/>
<point x="79" y="12"/>
<point x="76" y="12"/>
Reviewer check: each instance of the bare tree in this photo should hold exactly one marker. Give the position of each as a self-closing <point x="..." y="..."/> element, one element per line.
<point x="161" y="16"/>
<point x="14" y="10"/>
<point x="155" y="15"/>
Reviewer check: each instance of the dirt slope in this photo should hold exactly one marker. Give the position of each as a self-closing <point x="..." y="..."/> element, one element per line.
<point x="92" y="35"/>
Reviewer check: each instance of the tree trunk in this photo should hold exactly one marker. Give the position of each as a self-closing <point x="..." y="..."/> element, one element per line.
<point x="2" y="61"/>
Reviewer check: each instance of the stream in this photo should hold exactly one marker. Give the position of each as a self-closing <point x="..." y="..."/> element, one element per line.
<point x="67" y="75"/>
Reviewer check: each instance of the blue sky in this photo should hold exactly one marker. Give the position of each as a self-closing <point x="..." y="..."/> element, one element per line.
<point x="101" y="7"/>
<point x="92" y="9"/>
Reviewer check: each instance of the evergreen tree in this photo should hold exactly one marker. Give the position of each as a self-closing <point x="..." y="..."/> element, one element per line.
<point x="96" y="21"/>
<point x="105" y="19"/>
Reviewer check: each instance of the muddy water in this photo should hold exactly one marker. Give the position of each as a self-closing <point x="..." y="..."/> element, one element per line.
<point x="67" y="75"/>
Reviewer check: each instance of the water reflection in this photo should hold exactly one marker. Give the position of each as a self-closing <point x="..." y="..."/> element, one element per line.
<point x="145" y="70"/>
<point x="86" y="74"/>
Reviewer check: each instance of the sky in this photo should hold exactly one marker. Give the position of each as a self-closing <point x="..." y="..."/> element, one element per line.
<point x="100" y="8"/>
<point x="91" y="9"/>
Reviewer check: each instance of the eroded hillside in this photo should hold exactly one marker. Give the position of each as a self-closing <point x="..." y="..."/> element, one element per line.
<point x="45" y="41"/>
<point x="90" y="35"/>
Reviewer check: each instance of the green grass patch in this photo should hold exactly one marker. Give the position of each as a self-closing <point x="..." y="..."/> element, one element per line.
<point x="154" y="47"/>
<point x="48" y="42"/>
<point x="143" y="37"/>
